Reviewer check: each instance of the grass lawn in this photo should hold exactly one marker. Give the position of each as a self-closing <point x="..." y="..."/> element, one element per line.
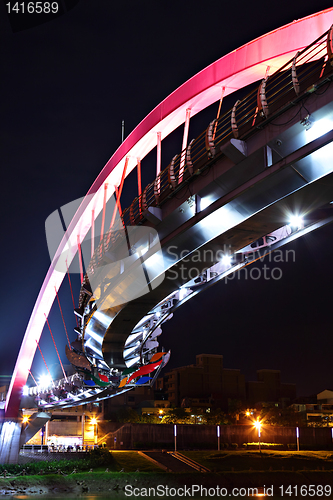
<point x="267" y="460"/>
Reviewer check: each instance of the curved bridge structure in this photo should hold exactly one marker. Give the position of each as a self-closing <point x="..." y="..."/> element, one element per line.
<point x="266" y="159"/>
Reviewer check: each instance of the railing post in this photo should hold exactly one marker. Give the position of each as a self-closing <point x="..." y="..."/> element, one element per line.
<point x="158" y="158"/>
<point x="185" y="138"/>
<point x="218" y="112"/>
<point x="80" y="257"/>
<point x="104" y="207"/>
<point x="92" y="232"/>
<point x="139" y="183"/>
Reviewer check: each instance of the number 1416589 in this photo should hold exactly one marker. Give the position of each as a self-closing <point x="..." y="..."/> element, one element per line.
<point x="32" y="7"/>
<point x="305" y="490"/>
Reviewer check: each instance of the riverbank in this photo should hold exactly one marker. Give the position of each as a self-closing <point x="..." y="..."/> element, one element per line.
<point x="130" y="474"/>
<point x="136" y="484"/>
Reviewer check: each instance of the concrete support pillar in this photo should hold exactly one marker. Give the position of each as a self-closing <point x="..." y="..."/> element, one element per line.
<point x="10" y="437"/>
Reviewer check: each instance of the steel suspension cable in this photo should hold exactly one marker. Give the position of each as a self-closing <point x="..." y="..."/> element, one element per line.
<point x="33" y="378"/>
<point x="70" y="286"/>
<point x="44" y="360"/>
<point x="63" y="320"/>
<point x="62" y="367"/>
<point x="117" y="197"/>
<point x="117" y="205"/>
<point x="218" y="112"/>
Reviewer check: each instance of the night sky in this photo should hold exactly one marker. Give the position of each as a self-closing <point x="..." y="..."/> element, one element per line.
<point x="66" y="85"/>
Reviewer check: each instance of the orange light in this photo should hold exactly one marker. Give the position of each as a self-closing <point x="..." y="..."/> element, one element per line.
<point x="258" y="425"/>
<point x="93" y="421"/>
<point x="25" y="419"/>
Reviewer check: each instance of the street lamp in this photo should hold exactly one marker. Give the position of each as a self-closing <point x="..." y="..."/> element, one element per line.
<point x="257" y="424"/>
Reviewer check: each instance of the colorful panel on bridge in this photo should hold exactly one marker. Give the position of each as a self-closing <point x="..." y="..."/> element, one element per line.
<point x="144" y="370"/>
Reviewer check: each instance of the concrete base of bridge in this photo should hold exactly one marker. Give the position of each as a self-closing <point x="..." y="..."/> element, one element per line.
<point x="13" y="434"/>
<point x="10" y="438"/>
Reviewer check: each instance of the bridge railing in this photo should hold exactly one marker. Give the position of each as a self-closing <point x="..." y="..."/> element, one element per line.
<point x="294" y="79"/>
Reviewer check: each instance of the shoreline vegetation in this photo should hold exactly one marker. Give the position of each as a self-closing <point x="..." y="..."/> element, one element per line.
<point x="104" y="472"/>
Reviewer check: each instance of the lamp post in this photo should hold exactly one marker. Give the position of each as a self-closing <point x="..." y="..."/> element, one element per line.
<point x="297" y="437"/>
<point x="175" y="435"/>
<point x="25" y="423"/>
<point x="82" y="430"/>
<point x="42" y="432"/>
<point x="218" y="438"/>
<point x="258" y="427"/>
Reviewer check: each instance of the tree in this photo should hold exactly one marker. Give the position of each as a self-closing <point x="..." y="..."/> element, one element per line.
<point x="126" y="415"/>
<point x="176" y="416"/>
<point x="281" y="416"/>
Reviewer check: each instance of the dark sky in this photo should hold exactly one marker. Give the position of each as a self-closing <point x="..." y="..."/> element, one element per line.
<point x="66" y="85"/>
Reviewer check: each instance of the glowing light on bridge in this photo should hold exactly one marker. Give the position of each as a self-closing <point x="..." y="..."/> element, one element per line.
<point x="319" y="128"/>
<point x="44" y="381"/>
<point x="25" y="390"/>
<point x="296" y="221"/>
<point x="226" y="260"/>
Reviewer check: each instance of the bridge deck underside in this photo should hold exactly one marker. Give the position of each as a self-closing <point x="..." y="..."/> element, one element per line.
<point x="249" y="200"/>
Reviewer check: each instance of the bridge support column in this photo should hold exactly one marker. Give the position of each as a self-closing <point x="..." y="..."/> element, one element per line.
<point x="13" y="434"/>
<point x="10" y="440"/>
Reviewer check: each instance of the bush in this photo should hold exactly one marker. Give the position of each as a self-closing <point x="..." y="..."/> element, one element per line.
<point x="254" y="446"/>
<point x="234" y="446"/>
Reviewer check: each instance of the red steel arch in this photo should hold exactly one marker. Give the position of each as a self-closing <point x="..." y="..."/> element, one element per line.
<point x="233" y="71"/>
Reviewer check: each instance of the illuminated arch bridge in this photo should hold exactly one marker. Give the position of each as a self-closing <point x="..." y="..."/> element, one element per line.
<point x="227" y="193"/>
